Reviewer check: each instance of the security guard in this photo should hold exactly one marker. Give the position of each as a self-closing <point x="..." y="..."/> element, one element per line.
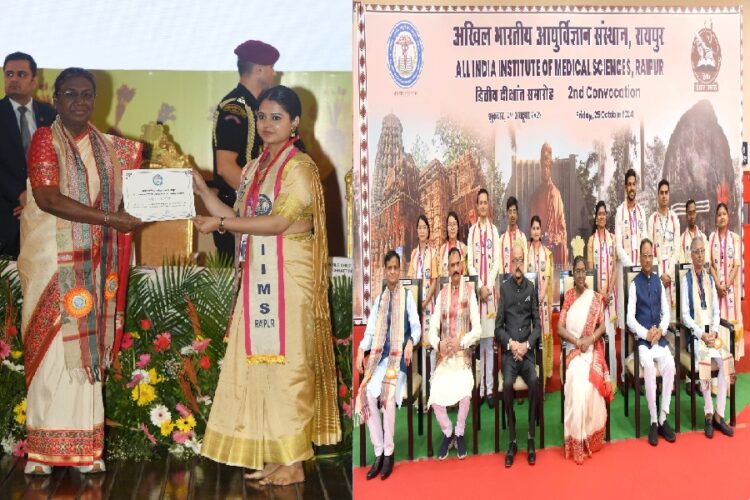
<point x="235" y="139"/>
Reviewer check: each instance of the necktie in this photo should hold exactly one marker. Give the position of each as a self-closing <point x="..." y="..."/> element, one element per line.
<point x="23" y="124"/>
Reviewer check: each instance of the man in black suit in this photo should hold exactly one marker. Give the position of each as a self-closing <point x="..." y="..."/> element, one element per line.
<point x="517" y="331"/>
<point x="20" y="116"/>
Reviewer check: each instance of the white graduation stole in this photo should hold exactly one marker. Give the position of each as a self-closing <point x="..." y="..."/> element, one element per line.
<point x="483" y="243"/>
<point x="603" y="258"/>
<point x="632" y="229"/>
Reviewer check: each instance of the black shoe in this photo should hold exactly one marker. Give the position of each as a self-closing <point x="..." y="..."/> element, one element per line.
<point x="511" y="453"/>
<point x="490" y="401"/>
<point x="376" y="466"/>
<point x="387" y="467"/>
<point x="665" y="431"/>
<point x="445" y="447"/>
<point x="708" y="429"/>
<point x="653" y="434"/>
<point x="460" y="447"/>
<point x="531" y="452"/>
<point x="723" y="427"/>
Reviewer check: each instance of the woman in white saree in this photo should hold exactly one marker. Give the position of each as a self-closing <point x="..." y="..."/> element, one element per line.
<point x="587" y="384"/>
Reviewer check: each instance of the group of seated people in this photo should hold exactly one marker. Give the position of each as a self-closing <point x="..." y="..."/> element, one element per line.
<point x="514" y="315"/>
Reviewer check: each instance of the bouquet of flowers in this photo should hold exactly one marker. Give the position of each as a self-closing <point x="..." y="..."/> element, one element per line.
<point x="12" y="377"/>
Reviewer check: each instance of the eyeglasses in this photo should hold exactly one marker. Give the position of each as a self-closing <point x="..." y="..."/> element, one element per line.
<point x="517" y="260"/>
<point x="72" y="95"/>
<point x="579" y="272"/>
<point x="699" y="251"/>
<point x="647" y="256"/>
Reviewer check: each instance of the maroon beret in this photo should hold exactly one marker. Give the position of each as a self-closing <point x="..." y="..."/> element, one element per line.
<point x="257" y="52"/>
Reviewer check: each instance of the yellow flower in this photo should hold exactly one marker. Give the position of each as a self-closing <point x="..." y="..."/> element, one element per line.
<point x="143" y="394"/>
<point x="20" y="411"/>
<point x="16" y="354"/>
<point x="135" y="335"/>
<point x="185" y="424"/>
<point x="167" y="428"/>
<point x="154" y="377"/>
<point x="190" y="420"/>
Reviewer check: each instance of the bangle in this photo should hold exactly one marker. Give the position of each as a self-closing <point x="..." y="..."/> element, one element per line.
<point x="222" y="230"/>
<point x="106" y="218"/>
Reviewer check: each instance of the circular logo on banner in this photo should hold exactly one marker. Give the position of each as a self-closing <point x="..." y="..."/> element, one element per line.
<point x="158" y="180"/>
<point x="404" y="54"/>
<point x="705" y="57"/>
<point x="264" y="205"/>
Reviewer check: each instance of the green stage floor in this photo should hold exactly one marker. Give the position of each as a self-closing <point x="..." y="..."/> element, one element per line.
<point x="622" y="427"/>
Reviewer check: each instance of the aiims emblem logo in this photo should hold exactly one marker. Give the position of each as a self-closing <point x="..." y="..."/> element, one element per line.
<point x="404" y="54"/>
<point x="705" y="58"/>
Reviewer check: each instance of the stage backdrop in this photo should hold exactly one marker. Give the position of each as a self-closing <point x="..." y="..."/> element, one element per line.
<point x="453" y="99"/>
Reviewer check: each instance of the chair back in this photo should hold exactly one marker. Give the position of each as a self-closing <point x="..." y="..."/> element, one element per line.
<point x="567" y="282"/>
<point x="473" y="282"/>
<point x="680" y="272"/>
<point x="414" y="285"/>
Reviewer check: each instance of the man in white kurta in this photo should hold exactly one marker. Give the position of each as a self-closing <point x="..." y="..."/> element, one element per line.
<point x="454" y="327"/>
<point x="381" y="432"/>
<point x="630" y="229"/>
<point x="648" y="317"/>
<point x="664" y="231"/>
<point x="484" y="262"/>
<point x="700" y="314"/>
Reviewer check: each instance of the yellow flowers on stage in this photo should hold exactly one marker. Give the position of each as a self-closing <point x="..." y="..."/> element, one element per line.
<point x="167" y="428"/>
<point x="20" y="411"/>
<point x="185" y="424"/>
<point x="143" y="394"/>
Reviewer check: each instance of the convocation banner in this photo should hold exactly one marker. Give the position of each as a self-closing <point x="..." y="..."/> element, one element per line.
<point x="454" y="99"/>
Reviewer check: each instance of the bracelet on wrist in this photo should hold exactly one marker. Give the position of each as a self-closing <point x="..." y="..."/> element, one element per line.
<point x="106" y="218"/>
<point x="222" y="229"/>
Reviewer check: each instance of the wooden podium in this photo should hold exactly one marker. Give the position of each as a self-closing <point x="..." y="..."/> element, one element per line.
<point x="156" y="241"/>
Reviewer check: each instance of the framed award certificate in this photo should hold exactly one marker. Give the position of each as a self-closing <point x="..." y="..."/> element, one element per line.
<point x="159" y="194"/>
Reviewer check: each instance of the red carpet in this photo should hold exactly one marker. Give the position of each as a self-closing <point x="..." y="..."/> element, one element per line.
<point x="619" y="470"/>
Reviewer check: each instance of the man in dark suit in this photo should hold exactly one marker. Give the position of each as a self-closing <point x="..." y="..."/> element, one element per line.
<point x="517" y="331"/>
<point x="20" y="116"/>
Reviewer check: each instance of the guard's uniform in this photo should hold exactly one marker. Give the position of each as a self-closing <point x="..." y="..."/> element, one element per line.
<point x="234" y="130"/>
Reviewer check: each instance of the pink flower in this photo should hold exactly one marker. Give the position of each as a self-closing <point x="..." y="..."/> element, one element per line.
<point x="148" y="434"/>
<point x="180" y="437"/>
<point x="345" y="341"/>
<point x="347" y="409"/>
<point x="205" y="362"/>
<point x="143" y="361"/>
<point x="145" y="324"/>
<point x="200" y="345"/>
<point x="183" y="410"/>
<point x="134" y="381"/>
<point x="163" y="341"/>
<point x="20" y="449"/>
<point x="4" y="349"/>
<point x="127" y="341"/>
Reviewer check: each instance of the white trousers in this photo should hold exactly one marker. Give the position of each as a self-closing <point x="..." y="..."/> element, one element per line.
<point x="663" y="357"/>
<point x="721" y="394"/>
<point x="381" y="430"/>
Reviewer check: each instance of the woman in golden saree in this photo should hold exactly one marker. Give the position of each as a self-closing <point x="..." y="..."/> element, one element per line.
<point x="277" y="389"/>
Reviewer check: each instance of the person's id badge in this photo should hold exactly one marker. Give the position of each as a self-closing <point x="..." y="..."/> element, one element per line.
<point x="243" y="248"/>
